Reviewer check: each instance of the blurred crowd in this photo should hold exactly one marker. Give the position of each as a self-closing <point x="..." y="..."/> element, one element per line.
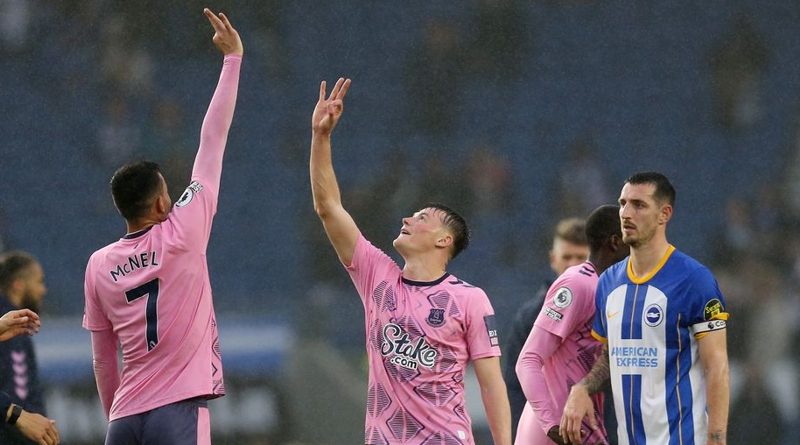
<point x="108" y="66"/>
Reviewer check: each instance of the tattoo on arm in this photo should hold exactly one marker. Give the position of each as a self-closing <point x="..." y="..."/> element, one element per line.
<point x="598" y="377"/>
<point x="716" y="437"/>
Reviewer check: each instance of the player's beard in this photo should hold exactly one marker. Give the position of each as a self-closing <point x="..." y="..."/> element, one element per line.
<point x="30" y="302"/>
<point x="640" y="238"/>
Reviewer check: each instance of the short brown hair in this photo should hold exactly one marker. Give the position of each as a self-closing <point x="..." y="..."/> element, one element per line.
<point x="572" y="230"/>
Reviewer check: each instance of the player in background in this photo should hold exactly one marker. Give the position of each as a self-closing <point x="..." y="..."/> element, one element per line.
<point x="662" y="317"/>
<point x="569" y="248"/>
<point x="21" y="287"/>
<point x="36" y="427"/>
<point x="423" y="325"/>
<point x="149" y="292"/>
<point x="560" y="349"/>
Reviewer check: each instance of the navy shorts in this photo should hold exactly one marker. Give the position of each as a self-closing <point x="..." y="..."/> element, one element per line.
<point x="181" y="423"/>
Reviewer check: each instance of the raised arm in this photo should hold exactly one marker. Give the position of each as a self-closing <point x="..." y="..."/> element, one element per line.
<point x="713" y="352"/>
<point x="339" y="225"/>
<point x="217" y="122"/>
<point x="495" y="398"/>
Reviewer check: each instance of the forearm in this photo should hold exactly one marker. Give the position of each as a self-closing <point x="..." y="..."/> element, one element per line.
<point x="495" y="398"/>
<point x="106" y="369"/>
<point x="597" y="379"/>
<point x="324" y="186"/>
<point x="217" y="122"/>
<point x="539" y="347"/>
<point x="718" y="398"/>
<point x="498" y="412"/>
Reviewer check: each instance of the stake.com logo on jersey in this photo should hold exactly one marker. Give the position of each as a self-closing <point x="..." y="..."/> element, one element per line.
<point x="409" y="355"/>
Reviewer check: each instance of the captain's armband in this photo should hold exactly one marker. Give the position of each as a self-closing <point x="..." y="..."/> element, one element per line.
<point x="704" y="327"/>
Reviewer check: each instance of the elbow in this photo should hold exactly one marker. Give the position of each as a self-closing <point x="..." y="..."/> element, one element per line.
<point x="325" y="208"/>
<point x="321" y="210"/>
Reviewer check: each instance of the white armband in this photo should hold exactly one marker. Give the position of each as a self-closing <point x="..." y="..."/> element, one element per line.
<point x="708" y="326"/>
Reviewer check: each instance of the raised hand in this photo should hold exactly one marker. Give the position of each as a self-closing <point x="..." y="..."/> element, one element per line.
<point x="328" y="111"/>
<point x="225" y="37"/>
<point x="18" y="322"/>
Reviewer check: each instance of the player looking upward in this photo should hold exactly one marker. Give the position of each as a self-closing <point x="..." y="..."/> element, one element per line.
<point x="150" y="291"/>
<point x="662" y="317"/>
<point x="423" y="325"/>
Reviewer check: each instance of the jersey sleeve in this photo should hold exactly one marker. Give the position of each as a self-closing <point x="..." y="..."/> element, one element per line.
<point x="706" y="305"/>
<point x="191" y="217"/>
<point x="600" y="324"/>
<point x="482" y="336"/>
<point x="566" y="307"/>
<point x="369" y="268"/>
<point x="94" y="319"/>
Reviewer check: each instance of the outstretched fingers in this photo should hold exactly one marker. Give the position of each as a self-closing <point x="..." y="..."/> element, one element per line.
<point x="322" y="91"/>
<point x="225" y="22"/>
<point x="336" y="88"/>
<point x="343" y="91"/>
<point x="218" y="25"/>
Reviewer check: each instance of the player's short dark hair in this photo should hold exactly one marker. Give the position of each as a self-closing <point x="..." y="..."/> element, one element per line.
<point x="601" y="224"/>
<point x="134" y="186"/>
<point x="13" y="264"/>
<point x="572" y="230"/>
<point x="664" y="189"/>
<point x="457" y="225"/>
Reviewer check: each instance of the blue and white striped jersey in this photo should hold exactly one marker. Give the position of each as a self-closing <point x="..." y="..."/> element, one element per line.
<point x="651" y="325"/>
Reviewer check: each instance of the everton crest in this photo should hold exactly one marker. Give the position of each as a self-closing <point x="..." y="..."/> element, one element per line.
<point x="436" y="317"/>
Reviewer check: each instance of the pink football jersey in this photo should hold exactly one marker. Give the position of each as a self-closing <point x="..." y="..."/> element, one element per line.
<point x="567" y="313"/>
<point x="152" y="287"/>
<point x="420" y="337"/>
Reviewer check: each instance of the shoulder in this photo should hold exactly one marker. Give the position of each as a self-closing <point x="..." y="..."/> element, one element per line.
<point x="366" y="251"/>
<point x="5" y="306"/>
<point x="695" y="273"/>
<point x="616" y="274"/>
<point x="462" y="291"/>
<point x="100" y="254"/>
<point x="580" y="277"/>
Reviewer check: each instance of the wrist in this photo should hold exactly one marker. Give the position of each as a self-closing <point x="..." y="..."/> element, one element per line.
<point x="14" y="411"/>
<point x="320" y="133"/>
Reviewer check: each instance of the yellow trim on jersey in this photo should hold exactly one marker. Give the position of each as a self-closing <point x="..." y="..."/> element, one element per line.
<point x="641" y="280"/>
<point x="721" y="316"/>
<point x="599" y="337"/>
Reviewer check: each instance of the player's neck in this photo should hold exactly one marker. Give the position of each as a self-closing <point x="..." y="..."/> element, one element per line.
<point x="423" y="268"/>
<point x="140" y="224"/>
<point x="645" y="258"/>
<point x="600" y="261"/>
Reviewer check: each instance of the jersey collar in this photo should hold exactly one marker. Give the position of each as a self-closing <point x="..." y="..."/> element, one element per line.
<point x="426" y="283"/>
<point x="643" y="279"/>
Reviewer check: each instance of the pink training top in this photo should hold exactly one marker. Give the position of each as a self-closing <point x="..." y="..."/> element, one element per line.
<point x="559" y="352"/>
<point x="420" y="336"/>
<point x="151" y="288"/>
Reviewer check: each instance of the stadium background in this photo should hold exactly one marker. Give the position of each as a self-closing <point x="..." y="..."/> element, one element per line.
<point x="518" y="113"/>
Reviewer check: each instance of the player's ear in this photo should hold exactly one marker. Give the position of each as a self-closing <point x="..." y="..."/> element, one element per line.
<point x="445" y="239"/>
<point x="665" y="214"/>
<point x="161" y="205"/>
